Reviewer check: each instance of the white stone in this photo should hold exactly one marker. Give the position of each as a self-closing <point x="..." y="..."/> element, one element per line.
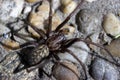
<point x="10" y="8"/>
<point x="90" y="0"/>
<point x="80" y="49"/>
<point x="3" y="29"/>
<point x="111" y="24"/>
<point x="27" y="9"/>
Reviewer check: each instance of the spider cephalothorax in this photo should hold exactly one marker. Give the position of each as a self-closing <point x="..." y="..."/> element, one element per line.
<point x="55" y="40"/>
<point x="34" y="53"/>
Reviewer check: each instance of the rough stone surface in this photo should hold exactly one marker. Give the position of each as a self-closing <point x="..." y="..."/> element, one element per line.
<point x="102" y="70"/>
<point x="79" y="49"/>
<point x="92" y="18"/>
<point x="10" y="9"/>
<point x="114" y="47"/>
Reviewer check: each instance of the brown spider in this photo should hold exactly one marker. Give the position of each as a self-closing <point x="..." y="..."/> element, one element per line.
<point x="37" y="53"/>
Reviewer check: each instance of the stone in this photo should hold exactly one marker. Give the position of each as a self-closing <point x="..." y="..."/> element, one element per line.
<point x="31" y="1"/>
<point x="37" y="19"/>
<point x="88" y="22"/>
<point x="90" y="0"/>
<point x="80" y="49"/>
<point x="63" y="73"/>
<point x="3" y="29"/>
<point x="27" y="9"/>
<point x="114" y="47"/>
<point x="65" y="2"/>
<point x="68" y="6"/>
<point x="10" y="9"/>
<point x="103" y="70"/>
<point x="11" y="43"/>
<point x="111" y="24"/>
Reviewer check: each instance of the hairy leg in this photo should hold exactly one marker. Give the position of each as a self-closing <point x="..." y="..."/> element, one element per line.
<point x="50" y="18"/>
<point x="69" y="42"/>
<point x="69" y="16"/>
<point x="83" y="65"/>
<point x="39" y="31"/>
<point x="57" y="62"/>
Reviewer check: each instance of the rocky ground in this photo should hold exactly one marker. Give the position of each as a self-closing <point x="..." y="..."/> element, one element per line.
<point x="96" y="21"/>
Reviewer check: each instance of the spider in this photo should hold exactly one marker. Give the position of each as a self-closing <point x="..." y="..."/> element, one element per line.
<point x="37" y="53"/>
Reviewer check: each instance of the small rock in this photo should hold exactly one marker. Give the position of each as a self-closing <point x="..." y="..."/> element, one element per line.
<point x="102" y="70"/>
<point x="111" y="24"/>
<point x="27" y="9"/>
<point x="11" y="43"/>
<point x="114" y="47"/>
<point x="88" y="22"/>
<point x="65" y="2"/>
<point x="69" y="7"/>
<point x="3" y="29"/>
<point x="56" y="20"/>
<point x="56" y="5"/>
<point x="63" y="73"/>
<point x="31" y="1"/>
<point x="79" y="49"/>
<point x="10" y="9"/>
<point x="3" y="53"/>
<point x="90" y="0"/>
<point x="37" y="19"/>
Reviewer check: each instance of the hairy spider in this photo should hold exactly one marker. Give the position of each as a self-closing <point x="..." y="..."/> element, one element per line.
<point x="37" y="53"/>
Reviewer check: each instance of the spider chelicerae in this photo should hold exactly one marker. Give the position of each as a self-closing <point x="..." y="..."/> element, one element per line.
<point x="37" y="53"/>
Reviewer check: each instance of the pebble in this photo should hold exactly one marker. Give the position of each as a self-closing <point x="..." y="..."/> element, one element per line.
<point x="111" y="24"/>
<point x="62" y="73"/>
<point x="69" y="6"/>
<point x="27" y="9"/>
<point x="90" y="0"/>
<point x="3" y="29"/>
<point x="31" y="1"/>
<point x="56" y="5"/>
<point x="114" y="47"/>
<point x="88" y="22"/>
<point x="78" y="49"/>
<point x="10" y="9"/>
<point x="102" y="70"/>
<point x="11" y="43"/>
<point x="65" y="2"/>
<point x="37" y="19"/>
<point x="3" y="53"/>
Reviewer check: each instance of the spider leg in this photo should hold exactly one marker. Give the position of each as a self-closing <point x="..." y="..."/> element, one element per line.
<point x="41" y="71"/>
<point x="69" y="42"/>
<point x="83" y="65"/>
<point x="23" y="36"/>
<point x="69" y="16"/>
<point x="39" y="31"/>
<point x="50" y="18"/>
<point x="57" y="61"/>
<point x="19" y="68"/>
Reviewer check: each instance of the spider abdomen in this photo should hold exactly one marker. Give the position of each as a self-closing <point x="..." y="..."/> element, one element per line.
<point x="34" y="56"/>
